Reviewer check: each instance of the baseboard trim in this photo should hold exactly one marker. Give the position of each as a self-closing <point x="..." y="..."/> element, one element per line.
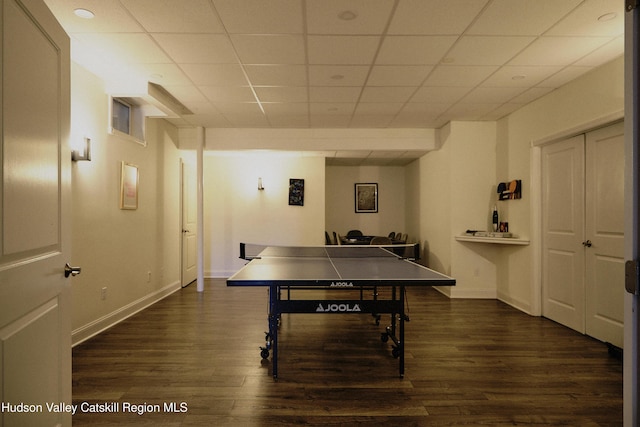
<point x="94" y="328"/>
<point x="457" y="293"/>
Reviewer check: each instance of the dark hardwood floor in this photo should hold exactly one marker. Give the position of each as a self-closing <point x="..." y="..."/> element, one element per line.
<point x="468" y="362"/>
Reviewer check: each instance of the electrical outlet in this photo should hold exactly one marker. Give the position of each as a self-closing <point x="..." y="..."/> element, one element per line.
<point x="103" y="293"/>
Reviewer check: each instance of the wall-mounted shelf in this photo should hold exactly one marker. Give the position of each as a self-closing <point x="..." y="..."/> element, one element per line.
<point x="493" y="240"/>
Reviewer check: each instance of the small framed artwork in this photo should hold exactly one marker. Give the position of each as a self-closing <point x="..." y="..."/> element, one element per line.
<point x="128" y="186"/>
<point x="296" y="192"/>
<point x="366" y="197"/>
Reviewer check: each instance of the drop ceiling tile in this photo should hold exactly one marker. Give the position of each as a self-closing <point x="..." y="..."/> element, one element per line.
<point x="337" y="75"/>
<point x="215" y="74"/>
<point x="520" y="76"/>
<point x="334" y="94"/>
<point x="469" y="76"/>
<point x="281" y="94"/>
<point x="323" y="16"/>
<point x="491" y="95"/>
<point x="261" y="17"/>
<point x="329" y="121"/>
<point x="371" y="121"/>
<point x="592" y="18"/>
<point x="487" y="50"/>
<point x="434" y="16"/>
<point x="288" y="121"/>
<point x="564" y="76"/>
<point x="393" y="75"/>
<point x="558" y="50"/>
<point x="288" y="109"/>
<point x="197" y="48"/>
<point x="520" y="17"/>
<point x="170" y="16"/>
<point x="110" y="17"/>
<point x="530" y="95"/>
<point x="217" y="94"/>
<point x="350" y="50"/>
<point x="439" y="94"/>
<point x="129" y="48"/>
<point x="332" y="108"/>
<point x="379" y="108"/>
<point x="469" y="111"/>
<point x="277" y="75"/>
<point x="502" y="111"/>
<point x="270" y="49"/>
<point x="414" y="50"/>
<point x="604" y="54"/>
<point x="387" y="94"/>
<point x="188" y="94"/>
<point x="166" y="74"/>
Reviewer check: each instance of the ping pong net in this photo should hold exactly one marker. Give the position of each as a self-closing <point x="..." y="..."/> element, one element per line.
<point x="409" y="251"/>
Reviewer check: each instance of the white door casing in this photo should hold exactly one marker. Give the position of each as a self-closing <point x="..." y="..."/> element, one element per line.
<point x="35" y="312"/>
<point x="189" y="224"/>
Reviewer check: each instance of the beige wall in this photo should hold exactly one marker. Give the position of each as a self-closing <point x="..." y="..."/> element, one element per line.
<point x="118" y="248"/>
<point x="340" y="204"/>
<point x="235" y="211"/>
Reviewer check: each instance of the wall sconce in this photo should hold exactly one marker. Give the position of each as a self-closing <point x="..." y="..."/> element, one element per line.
<point x="83" y="152"/>
<point x="260" y="187"/>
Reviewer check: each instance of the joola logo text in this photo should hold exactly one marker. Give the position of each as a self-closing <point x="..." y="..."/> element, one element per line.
<point x="341" y="284"/>
<point x="337" y="308"/>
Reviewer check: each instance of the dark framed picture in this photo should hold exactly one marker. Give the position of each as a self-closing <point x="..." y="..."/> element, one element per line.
<point x="366" y="197"/>
<point x="296" y="192"/>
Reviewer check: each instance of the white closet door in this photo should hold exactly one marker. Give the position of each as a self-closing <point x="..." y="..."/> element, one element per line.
<point x="563" y="262"/>
<point x="604" y="275"/>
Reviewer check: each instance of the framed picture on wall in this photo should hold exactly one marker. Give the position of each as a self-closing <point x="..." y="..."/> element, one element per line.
<point x="366" y="197"/>
<point x="129" y="186"/>
<point x="296" y="192"/>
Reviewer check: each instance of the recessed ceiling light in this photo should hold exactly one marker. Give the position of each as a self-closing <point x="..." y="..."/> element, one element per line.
<point x="84" y="13"/>
<point x="518" y="77"/>
<point x="347" y="15"/>
<point x="607" y="17"/>
<point x="448" y="60"/>
<point x="337" y="77"/>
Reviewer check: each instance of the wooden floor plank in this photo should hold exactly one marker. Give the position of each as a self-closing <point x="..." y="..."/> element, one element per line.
<point x="468" y="362"/>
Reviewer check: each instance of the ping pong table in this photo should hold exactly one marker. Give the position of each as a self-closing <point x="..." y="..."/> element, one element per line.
<point x="284" y="269"/>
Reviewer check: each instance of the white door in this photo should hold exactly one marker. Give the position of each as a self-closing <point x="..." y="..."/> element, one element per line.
<point x="583" y="233"/>
<point x="35" y="312"/>
<point x="563" y="231"/>
<point x="604" y="278"/>
<point x="189" y="224"/>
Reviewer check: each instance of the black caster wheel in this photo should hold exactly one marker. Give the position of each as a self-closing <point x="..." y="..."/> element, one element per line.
<point x="264" y="353"/>
<point x="395" y="352"/>
<point x="267" y="336"/>
<point x="384" y="337"/>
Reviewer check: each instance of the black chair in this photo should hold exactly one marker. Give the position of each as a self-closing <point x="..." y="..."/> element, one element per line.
<point x="354" y="233"/>
<point x="380" y="240"/>
<point x="392" y="235"/>
<point x="327" y="239"/>
<point x="336" y="239"/>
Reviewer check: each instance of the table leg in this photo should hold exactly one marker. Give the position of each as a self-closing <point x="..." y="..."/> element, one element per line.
<point x="401" y="343"/>
<point x="274" y="313"/>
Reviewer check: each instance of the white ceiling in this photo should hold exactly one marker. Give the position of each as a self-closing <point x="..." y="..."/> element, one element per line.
<point x="344" y="63"/>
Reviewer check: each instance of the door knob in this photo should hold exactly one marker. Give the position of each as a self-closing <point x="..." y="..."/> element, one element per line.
<point x="587" y="243"/>
<point x="71" y="271"/>
<point x="185" y="231"/>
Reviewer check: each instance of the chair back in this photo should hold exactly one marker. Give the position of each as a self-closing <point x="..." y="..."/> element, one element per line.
<point x="354" y="233"/>
<point x="380" y="240"/>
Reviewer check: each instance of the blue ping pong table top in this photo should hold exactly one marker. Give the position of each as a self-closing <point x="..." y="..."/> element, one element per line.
<point x="334" y="266"/>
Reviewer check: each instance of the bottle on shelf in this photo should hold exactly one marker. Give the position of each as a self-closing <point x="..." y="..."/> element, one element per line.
<point x="495" y="218"/>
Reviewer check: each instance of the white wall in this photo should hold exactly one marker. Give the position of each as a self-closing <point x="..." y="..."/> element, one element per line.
<point x="235" y="211"/>
<point x="592" y="100"/>
<point x="452" y="190"/>
<point x="340" y="203"/>
<point x="118" y="248"/>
